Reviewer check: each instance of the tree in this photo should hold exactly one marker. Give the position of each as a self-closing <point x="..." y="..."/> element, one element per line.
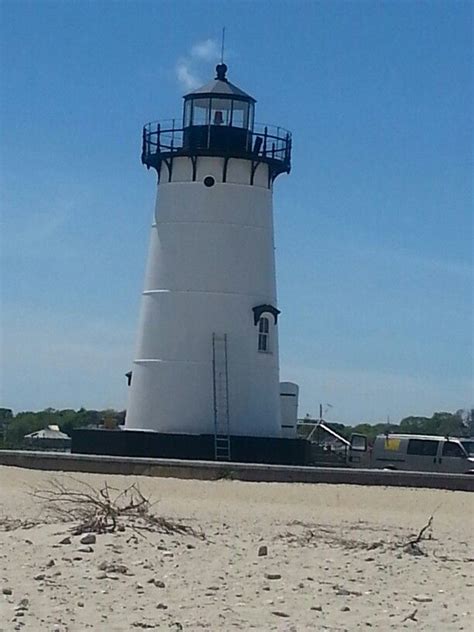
<point x="441" y="423"/>
<point x="6" y="416"/>
<point x="414" y="425"/>
<point x="67" y="419"/>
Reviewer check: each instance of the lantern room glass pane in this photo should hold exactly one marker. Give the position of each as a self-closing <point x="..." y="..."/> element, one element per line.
<point x="188" y="112"/>
<point x="221" y="111"/>
<point x="200" y="114"/>
<point x="240" y="114"/>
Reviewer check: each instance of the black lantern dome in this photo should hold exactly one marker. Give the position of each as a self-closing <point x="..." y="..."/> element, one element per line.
<point x="218" y="120"/>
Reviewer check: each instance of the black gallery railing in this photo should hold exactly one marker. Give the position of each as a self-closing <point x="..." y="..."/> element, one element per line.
<point x="264" y="142"/>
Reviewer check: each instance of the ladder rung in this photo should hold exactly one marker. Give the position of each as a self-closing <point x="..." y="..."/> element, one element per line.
<point x="221" y="400"/>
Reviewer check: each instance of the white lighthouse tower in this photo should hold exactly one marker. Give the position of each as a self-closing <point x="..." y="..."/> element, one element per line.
<point x="207" y="352"/>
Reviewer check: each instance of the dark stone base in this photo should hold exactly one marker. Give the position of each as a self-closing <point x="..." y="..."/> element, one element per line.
<point x="182" y="446"/>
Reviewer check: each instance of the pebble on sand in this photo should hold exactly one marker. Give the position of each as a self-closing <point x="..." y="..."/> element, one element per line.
<point x="422" y="598"/>
<point x="156" y="582"/>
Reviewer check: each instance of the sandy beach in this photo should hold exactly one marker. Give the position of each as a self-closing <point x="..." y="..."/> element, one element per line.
<point x="336" y="560"/>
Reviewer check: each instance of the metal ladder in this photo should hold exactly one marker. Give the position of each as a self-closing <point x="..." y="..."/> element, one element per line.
<point x="221" y="398"/>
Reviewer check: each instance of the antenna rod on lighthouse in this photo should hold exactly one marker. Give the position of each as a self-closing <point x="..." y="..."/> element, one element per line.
<point x="222" y="46"/>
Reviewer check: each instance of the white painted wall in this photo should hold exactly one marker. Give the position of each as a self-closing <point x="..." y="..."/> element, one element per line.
<point x="211" y="259"/>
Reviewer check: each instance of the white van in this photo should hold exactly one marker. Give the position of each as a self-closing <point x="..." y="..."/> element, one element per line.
<point x="413" y="452"/>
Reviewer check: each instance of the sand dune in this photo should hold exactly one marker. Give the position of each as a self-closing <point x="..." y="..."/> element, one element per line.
<point x="335" y="561"/>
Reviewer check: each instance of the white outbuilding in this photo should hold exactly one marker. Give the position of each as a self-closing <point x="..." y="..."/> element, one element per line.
<point x="49" y="438"/>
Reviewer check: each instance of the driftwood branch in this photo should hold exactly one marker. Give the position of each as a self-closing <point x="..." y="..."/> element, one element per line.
<point x="105" y="509"/>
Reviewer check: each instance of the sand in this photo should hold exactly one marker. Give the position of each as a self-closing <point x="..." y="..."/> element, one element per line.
<point x="335" y="561"/>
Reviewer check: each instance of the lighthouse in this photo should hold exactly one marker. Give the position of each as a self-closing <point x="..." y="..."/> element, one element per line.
<point x="206" y="360"/>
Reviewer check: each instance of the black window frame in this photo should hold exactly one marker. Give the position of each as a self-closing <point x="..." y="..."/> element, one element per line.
<point x="264" y="335"/>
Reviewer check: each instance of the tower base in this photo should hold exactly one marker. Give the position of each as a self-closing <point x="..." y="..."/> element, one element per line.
<point x="277" y="451"/>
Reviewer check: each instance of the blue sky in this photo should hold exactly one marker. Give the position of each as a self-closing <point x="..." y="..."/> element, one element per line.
<point x="373" y="226"/>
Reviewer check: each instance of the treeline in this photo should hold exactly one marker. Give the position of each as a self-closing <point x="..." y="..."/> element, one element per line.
<point x="458" y="424"/>
<point x="14" y="427"/>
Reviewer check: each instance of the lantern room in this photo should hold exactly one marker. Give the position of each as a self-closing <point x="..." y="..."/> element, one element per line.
<point x="219" y="116"/>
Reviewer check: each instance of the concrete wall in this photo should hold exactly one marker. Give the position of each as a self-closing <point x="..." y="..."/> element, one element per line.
<point x="206" y="470"/>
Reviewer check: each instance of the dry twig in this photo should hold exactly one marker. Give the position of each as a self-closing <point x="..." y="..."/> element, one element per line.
<point x="422" y="532"/>
<point x="411" y="616"/>
<point x="413" y="546"/>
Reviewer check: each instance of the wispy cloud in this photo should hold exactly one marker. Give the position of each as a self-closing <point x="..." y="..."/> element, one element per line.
<point x="421" y="263"/>
<point x="38" y="233"/>
<point x="369" y="395"/>
<point x="58" y="358"/>
<point x="187" y="67"/>
<point x="186" y="76"/>
<point x="206" y="50"/>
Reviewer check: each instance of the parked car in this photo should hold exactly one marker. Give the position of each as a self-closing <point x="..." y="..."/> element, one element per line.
<point x="413" y="452"/>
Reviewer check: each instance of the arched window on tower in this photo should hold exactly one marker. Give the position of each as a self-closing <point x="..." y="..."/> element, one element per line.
<point x="264" y="334"/>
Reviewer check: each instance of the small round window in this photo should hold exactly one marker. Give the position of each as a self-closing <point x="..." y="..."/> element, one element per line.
<point x="209" y="181"/>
